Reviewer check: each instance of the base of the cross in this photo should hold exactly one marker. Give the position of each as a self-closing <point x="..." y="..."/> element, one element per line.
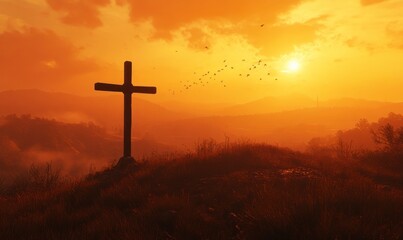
<point x="126" y="162"/>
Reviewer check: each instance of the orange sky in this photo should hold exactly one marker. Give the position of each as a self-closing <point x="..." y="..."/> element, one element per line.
<point x="344" y="48"/>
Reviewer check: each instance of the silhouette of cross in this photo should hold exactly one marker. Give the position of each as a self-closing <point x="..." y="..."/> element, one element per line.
<point x="127" y="89"/>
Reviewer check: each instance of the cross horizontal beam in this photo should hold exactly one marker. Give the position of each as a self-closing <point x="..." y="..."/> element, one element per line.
<point x="144" y="89"/>
<point x="108" y="87"/>
<point x="122" y="88"/>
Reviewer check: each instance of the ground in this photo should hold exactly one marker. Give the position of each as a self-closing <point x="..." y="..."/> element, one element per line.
<point x="235" y="191"/>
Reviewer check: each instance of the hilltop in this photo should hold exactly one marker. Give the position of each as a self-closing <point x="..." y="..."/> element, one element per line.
<point x="221" y="191"/>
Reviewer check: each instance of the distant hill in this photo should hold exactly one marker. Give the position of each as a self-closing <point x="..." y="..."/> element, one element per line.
<point x="105" y="110"/>
<point x="269" y="105"/>
<point x="288" y="121"/>
<point x="298" y="101"/>
<point x="75" y="147"/>
<point x="289" y="128"/>
<point x="358" y="103"/>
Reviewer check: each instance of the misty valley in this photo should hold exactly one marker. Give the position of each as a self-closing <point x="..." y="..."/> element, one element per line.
<point x="331" y="173"/>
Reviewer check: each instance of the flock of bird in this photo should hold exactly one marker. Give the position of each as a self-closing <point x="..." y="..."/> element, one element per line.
<point x="258" y="69"/>
<point x="213" y="76"/>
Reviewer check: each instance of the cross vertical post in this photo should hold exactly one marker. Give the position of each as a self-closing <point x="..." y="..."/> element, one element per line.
<point x="127" y="135"/>
<point x="127" y="89"/>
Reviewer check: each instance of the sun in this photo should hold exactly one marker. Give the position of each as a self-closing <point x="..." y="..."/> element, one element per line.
<point x="292" y="66"/>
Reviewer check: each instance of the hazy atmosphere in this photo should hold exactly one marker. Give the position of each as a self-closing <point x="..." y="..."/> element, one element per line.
<point x="325" y="49"/>
<point x="257" y="111"/>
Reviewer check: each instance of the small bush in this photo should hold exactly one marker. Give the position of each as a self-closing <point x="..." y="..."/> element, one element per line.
<point x="37" y="178"/>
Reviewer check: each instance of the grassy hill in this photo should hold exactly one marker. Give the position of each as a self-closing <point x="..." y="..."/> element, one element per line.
<point x="228" y="191"/>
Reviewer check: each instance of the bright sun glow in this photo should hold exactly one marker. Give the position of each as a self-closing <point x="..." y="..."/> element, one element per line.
<point x="292" y="66"/>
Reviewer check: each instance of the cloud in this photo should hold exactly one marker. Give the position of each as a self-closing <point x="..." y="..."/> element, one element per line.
<point x="271" y="40"/>
<point x="168" y="17"/>
<point x="256" y="21"/>
<point x="33" y="58"/>
<point x="356" y="42"/>
<point x="201" y="22"/>
<point x="395" y="32"/>
<point x="279" y="39"/>
<point x="79" y="13"/>
<point x="371" y="2"/>
<point x="197" y="38"/>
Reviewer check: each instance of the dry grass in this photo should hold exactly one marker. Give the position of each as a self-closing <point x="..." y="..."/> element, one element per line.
<point x="229" y="191"/>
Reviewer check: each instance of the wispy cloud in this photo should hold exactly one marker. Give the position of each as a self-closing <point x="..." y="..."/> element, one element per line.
<point x="31" y="57"/>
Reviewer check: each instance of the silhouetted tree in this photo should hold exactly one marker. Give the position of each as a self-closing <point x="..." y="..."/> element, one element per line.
<point x="389" y="136"/>
<point x="363" y="124"/>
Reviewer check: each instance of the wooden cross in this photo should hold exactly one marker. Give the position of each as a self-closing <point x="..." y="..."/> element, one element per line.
<point x="127" y="89"/>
